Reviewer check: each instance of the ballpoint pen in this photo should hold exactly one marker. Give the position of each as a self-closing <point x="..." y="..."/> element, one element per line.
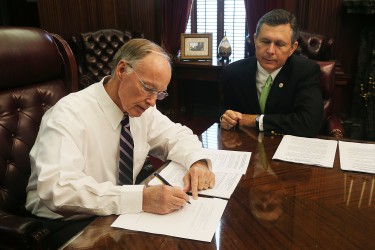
<point x="164" y="181"/>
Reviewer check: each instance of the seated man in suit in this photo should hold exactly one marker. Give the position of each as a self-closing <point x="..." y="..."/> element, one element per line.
<point x="276" y="91"/>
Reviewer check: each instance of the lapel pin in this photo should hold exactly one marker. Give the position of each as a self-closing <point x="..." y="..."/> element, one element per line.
<point x="281" y="85"/>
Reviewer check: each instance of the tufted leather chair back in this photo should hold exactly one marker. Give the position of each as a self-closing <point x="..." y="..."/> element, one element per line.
<point x="95" y="50"/>
<point x="37" y="69"/>
<point x="315" y="46"/>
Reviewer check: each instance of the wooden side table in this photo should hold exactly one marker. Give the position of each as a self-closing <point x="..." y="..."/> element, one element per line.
<point x="193" y="70"/>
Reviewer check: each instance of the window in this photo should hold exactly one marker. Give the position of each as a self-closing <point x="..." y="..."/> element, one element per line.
<point x="220" y="17"/>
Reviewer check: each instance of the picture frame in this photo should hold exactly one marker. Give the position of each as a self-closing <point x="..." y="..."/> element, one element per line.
<point x="196" y="46"/>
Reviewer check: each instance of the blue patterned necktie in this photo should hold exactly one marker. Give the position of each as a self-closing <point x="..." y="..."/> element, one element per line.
<point x="126" y="154"/>
<point x="264" y="94"/>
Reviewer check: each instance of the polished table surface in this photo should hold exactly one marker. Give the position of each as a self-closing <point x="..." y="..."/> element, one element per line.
<point x="276" y="205"/>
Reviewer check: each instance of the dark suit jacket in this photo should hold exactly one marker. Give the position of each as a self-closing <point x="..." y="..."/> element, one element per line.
<point x="294" y="105"/>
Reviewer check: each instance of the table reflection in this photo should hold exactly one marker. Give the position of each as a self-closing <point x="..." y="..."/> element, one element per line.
<point x="276" y="205"/>
<point x="266" y="199"/>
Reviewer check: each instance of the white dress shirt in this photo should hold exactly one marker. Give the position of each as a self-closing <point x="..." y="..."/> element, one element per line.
<point x="261" y="77"/>
<point x="74" y="161"/>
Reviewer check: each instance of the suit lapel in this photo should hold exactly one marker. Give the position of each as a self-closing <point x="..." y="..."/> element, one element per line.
<point x="281" y="81"/>
<point x="279" y="85"/>
<point x="252" y="90"/>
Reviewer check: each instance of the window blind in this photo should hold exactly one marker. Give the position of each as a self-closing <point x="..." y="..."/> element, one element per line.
<point x="229" y="19"/>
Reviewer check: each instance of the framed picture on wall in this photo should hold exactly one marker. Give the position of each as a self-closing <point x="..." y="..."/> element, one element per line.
<point x="196" y="46"/>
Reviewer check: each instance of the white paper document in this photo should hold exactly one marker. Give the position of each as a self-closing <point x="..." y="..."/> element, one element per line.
<point x="225" y="183"/>
<point x="310" y="151"/>
<point x="228" y="166"/>
<point x="196" y="221"/>
<point x="357" y="156"/>
<point x="228" y="161"/>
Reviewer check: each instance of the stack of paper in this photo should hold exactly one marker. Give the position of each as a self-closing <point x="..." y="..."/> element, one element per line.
<point x="198" y="220"/>
<point x="357" y="156"/>
<point x="311" y="151"/>
<point x="228" y="167"/>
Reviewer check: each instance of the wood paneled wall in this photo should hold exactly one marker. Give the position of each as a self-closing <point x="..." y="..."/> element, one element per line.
<point x="68" y="17"/>
<point x="330" y="18"/>
<point x="324" y="17"/>
<point x="320" y="16"/>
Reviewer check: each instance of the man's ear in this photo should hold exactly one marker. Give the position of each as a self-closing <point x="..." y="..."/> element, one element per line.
<point x="255" y="37"/>
<point x="121" y="69"/>
<point x="294" y="47"/>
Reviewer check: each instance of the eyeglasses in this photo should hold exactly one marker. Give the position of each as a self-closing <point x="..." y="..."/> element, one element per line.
<point x="160" y="95"/>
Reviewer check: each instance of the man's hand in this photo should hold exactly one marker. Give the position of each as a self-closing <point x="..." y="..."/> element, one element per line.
<point x="199" y="177"/>
<point x="163" y="199"/>
<point x="248" y="120"/>
<point x="230" y="119"/>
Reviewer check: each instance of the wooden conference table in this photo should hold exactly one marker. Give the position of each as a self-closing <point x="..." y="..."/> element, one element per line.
<point x="276" y="205"/>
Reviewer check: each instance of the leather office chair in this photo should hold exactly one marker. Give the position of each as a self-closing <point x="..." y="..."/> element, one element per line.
<point x="37" y="69"/>
<point x="319" y="47"/>
<point x="315" y="46"/>
<point x="332" y="125"/>
<point x="95" y="50"/>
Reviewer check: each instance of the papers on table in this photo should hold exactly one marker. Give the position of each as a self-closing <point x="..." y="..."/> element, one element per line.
<point x="311" y="151"/>
<point x="228" y="167"/>
<point x="228" y="161"/>
<point x="224" y="186"/>
<point x="357" y="156"/>
<point x="196" y="221"/>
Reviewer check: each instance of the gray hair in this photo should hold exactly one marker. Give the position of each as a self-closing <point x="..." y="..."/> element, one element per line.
<point x="135" y="50"/>
<point x="277" y="17"/>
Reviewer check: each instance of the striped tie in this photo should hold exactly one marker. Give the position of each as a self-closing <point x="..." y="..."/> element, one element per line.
<point x="126" y="154"/>
<point x="264" y="94"/>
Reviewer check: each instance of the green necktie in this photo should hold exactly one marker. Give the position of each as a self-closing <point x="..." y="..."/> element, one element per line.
<point x="264" y="94"/>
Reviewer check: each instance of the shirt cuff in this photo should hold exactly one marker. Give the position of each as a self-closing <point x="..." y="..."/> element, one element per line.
<point x="131" y="199"/>
<point x="208" y="162"/>
<point x="196" y="156"/>
<point x="261" y="128"/>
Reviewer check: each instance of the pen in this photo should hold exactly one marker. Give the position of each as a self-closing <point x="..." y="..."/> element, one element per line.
<point x="164" y="181"/>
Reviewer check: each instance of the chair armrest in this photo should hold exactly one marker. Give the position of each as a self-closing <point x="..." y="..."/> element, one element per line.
<point x="21" y="232"/>
<point x="334" y="127"/>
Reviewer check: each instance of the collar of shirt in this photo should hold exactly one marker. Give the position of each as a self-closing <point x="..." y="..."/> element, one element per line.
<point x="110" y="109"/>
<point x="262" y="75"/>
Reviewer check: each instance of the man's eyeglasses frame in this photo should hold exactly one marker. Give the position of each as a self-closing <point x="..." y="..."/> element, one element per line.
<point x="160" y="95"/>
